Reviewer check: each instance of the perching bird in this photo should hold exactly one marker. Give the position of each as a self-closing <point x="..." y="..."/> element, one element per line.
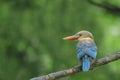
<point x="86" y="48"/>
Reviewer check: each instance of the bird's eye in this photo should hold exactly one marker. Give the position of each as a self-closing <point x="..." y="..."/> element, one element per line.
<point x="80" y="34"/>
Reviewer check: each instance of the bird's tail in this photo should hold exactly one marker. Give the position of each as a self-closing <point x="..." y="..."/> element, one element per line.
<point x="86" y="63"/>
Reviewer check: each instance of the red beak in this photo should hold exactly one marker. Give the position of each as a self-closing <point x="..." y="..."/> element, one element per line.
<point x="74" y="37"/>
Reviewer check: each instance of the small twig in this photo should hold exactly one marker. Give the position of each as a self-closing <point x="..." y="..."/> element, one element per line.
<point x="59" y="74"/>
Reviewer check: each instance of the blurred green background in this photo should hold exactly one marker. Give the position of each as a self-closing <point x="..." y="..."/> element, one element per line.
<point x="31" y="33"/>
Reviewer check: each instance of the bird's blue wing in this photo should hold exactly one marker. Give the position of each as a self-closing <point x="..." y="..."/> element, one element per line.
<point x="92" y="50"/>
<point x="89" y="49"/>
<point x="80" y="51"/>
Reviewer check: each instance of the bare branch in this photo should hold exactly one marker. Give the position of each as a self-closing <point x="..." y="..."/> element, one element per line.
<point x="107" y="6"/>
<point x="59" y="74"/>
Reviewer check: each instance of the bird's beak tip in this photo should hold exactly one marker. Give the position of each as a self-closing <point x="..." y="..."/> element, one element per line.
<point x="64" y="38"/>
<point x="70" y="38"/>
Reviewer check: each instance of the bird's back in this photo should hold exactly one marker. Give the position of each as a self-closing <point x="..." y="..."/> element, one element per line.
<point x="88" y="47"/>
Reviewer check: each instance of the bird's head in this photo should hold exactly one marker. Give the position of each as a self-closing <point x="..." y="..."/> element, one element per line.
<point x="80" y="35"/>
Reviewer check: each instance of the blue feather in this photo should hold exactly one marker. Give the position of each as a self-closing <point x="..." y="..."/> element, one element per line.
<point x="86" y="63"/>
<point x="92" y="51"/>
<point x="86" y="50"/>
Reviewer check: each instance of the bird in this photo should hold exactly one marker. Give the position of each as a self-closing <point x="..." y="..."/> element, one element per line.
<point x="86" y="48"/>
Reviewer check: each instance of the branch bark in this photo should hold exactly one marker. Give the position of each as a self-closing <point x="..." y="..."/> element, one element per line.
<point x="59" y="74"/>
<point x="107" y="6"/>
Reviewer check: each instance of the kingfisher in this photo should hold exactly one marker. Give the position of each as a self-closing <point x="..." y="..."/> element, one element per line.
<point x="86" y="48"/>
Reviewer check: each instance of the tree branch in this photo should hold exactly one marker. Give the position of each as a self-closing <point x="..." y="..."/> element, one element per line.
<point x="107" y="6"/>
<point x="59" y="74"/>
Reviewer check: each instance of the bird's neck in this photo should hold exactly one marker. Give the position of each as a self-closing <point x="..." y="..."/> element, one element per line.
<point x="88" y="38"/>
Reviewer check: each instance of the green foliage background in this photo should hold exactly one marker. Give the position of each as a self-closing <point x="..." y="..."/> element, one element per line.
<point x="31" y="33"/>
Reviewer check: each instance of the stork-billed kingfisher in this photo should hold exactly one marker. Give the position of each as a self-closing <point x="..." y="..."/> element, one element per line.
<point x="86" y="48"/>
